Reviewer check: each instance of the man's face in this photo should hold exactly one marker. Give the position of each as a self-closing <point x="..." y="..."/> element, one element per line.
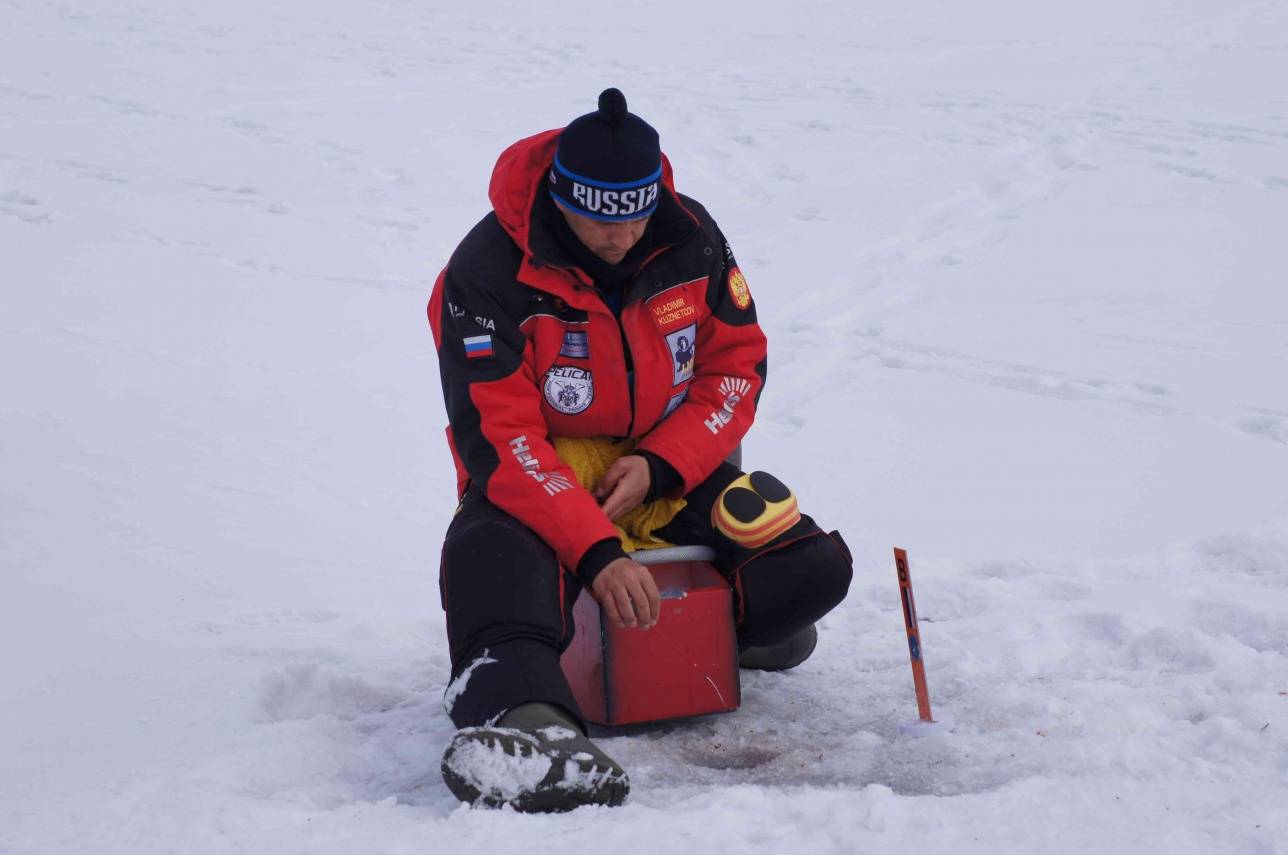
<point x="609" y="241"/>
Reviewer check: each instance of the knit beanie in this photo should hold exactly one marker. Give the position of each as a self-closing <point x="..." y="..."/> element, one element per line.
<point x="608" y="165"/>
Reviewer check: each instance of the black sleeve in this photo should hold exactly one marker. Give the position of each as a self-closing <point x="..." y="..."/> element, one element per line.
<point x="663" y="481"/>
<point x="599" y="556"/>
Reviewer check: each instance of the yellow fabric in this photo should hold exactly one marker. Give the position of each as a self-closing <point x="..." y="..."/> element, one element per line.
<point x="589" y="458"/>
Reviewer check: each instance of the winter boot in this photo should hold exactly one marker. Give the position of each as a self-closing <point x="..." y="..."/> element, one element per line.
<point x="781" y="656"/>
<point x="534" y="759"/>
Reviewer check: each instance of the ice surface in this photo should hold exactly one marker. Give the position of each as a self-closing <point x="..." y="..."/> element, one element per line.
<point x="1022" y="268"/>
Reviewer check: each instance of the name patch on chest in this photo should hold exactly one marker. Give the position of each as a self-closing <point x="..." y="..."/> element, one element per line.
<point x="672" y="310"/>
<point x="568" y="389"/>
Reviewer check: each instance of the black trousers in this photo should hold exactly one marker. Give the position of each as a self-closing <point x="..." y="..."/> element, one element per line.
<point x="509" y="603"/>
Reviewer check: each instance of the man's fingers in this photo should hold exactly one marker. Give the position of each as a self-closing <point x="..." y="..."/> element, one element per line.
<point x="610" y="479"/>
<point x="616" y="501"/>
<point x="628" y="595"/>
<point x="609" y="605"/>
<point x="625" y="497"/>
<point x="609" y="505"/>
<point x="639" y="603"/>
<point x="625" y="609"/>
<point x="654" y="599"/>
<point x="645" y="599"/>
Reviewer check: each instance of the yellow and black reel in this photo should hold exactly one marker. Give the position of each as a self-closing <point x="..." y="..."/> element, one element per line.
<point x="755" y="509"/>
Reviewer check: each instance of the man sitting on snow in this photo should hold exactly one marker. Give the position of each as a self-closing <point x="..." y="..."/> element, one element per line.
<point x="595" y="301"/>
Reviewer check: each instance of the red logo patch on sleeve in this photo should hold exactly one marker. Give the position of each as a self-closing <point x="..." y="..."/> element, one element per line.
<point x="738" y="289"/>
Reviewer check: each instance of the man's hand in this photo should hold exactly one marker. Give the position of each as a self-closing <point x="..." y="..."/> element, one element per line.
<point x="623" y="486"/>
<point x="627" y="593"/>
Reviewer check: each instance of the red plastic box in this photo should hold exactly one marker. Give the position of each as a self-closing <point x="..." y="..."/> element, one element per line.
<point x="685" y="665"/>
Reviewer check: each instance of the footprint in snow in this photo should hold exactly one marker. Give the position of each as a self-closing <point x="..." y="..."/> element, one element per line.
<point x="1265" y="425"/>
<point x="303" y="692"/>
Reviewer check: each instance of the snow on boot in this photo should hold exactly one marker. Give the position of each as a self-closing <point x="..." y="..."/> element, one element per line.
<point x="781" y="656"/>
<point x="534" y="759"/>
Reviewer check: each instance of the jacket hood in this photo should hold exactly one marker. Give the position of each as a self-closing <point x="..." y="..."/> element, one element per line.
<point x="518" y="176"/>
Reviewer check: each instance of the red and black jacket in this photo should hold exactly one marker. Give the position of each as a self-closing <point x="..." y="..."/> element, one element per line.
<point x="527" y="350"/>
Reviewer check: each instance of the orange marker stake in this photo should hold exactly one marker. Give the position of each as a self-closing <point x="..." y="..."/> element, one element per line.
<point x="914" y="650"/>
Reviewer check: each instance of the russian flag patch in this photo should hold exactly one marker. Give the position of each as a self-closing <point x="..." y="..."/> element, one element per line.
<point x="478" y="346"/>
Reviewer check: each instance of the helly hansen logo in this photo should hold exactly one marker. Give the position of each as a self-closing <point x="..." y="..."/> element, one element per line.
<point x="614" y="203"/>
<point x="734" y="389"/>
<point x="552" y="482"/>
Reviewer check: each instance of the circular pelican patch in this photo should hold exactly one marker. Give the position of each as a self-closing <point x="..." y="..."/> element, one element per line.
<point x="569" y="389"/>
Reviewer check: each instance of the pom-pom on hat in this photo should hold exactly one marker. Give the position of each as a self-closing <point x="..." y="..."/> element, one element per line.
<point x="608" y="165"/>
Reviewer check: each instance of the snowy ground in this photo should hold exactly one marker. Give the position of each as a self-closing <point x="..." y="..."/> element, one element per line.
<point x="1023" y="270"/>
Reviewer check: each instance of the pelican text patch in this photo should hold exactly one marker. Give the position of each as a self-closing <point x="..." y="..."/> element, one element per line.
<point x="568" y="389"/>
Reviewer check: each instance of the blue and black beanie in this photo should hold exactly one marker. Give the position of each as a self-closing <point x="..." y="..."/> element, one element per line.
<point x="608" y="165"/>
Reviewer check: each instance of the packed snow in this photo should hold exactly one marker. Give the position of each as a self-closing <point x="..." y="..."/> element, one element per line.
<point x="1022" y="268"/>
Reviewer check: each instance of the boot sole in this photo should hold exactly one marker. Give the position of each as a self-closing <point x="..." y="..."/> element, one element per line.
<point x="494" y="767"/>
